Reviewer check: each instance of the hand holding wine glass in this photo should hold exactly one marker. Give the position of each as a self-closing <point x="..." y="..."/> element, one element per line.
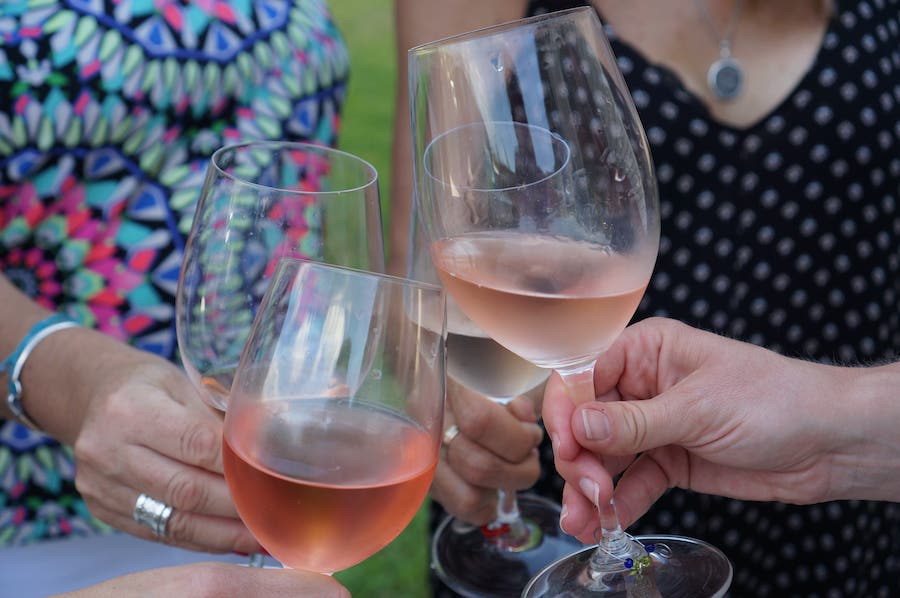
<point x="499" y="557"/>
<point x="827" y="443"/>
<point x="333" y="429"/>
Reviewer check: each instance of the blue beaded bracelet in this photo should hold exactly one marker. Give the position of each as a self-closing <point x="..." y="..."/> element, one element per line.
<point x="16" y="361"/>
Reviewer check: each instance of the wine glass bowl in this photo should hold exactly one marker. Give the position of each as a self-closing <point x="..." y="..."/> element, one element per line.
<point x="332" y="432"/>
<point x="501" y="193"/>
<point x="552" y="72"/>
<point x="262" y="201"/>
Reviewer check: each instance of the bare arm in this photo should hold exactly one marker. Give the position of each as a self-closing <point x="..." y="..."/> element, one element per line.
<point x="18" y="314"/>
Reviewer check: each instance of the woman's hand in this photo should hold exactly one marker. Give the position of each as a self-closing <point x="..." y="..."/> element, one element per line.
<point x="496" y="448"/>
<point x="720" y="417"/>
<point x="147" y="431"/>
<point x="137" y="425"/>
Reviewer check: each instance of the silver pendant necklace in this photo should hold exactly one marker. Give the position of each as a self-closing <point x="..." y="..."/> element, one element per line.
<point x="725" y="77"/>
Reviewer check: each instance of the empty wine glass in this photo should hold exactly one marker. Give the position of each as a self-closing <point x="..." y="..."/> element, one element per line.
<point x="261" y="201"/>
<point x="332" y="432"/>
<point x="551" y="261"/>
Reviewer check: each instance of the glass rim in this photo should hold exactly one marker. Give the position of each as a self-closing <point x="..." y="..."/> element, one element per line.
<point x="290" y="261"/>
<point x="372" y="179"/>
<point x="552" y="135"/>
<point x="458" y="38"/>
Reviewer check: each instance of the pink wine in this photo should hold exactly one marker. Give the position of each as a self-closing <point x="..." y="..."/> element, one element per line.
<point x="551" y="300"/>
<point x="325" y="484"/>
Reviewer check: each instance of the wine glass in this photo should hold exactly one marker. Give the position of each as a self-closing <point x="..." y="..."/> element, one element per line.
<point x="261" y="201"/>
<point x="332" y="432"/>
<point x="499" y="558"/>
<point x="550" y="261"/>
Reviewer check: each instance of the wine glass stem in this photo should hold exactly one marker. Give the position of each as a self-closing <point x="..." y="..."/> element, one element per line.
<point x="613" y="539"/>
<point x="614" y="546"/>
<point x="616" y="551"/>
<point x="508" y="507"/>
<point x="509" y="531"/>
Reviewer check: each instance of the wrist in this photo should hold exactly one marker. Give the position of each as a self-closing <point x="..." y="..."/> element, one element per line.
<point x="867" y="462"/>
<point x="49" y="391"/>
<point x="14" y="365"/>
<point x="68" y="374"/>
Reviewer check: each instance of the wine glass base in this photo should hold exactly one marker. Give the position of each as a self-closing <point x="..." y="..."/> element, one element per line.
<point x="476" y="566"/>
<point x="679" y="567"/>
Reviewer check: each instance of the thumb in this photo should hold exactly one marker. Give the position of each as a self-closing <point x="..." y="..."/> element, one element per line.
<point x="628" y="427"/>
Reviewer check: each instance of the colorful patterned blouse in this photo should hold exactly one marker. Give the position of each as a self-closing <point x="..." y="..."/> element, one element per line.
<point x="109" y="111"/>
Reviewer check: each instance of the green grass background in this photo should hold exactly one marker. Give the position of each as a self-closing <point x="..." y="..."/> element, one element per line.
<point x="368" y="28"/>
<point x="400" y="569"/>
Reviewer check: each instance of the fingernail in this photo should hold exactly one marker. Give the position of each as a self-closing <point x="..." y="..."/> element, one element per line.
<point x="563" y="513"/>
<point x="590" y="489"/>
<point x="596" y="424"/>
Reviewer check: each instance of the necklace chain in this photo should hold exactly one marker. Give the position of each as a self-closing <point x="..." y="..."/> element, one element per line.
<point x="724" y="40"/>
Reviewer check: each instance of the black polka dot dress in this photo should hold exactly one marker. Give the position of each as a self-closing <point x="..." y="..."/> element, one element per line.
<point x="785" y="234"/>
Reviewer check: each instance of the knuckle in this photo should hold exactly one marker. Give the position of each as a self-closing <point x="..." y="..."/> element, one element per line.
<point x="88" y="450"/>
<point x="480" y="469"/>
<point x="117" y="407"/>
<point x="475" y="419"/>
<point x="635" y="426"/>
<point x="186" y="491"/>
<point x="93" y="442"/>
<point x="200" y="444"/>
<point x="472" y="508"/>
<point x="462" y="500"/>
<point x="87" y="488"/>
<point x="178" y="529"/>
<point x="525" y="451"/>
<point x="530" y="475"/>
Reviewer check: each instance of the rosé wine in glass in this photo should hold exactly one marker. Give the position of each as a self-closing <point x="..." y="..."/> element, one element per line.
<point x="552" y="300"/>
<point x="309" y="514"/>
<point x="332" y="432"/>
